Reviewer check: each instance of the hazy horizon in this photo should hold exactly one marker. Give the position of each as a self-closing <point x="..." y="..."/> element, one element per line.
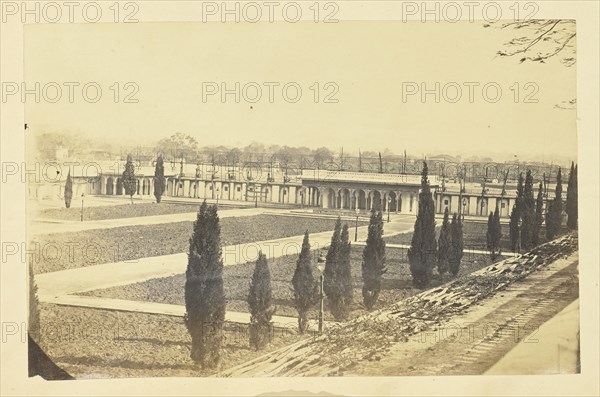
<point x="369" y="61"/>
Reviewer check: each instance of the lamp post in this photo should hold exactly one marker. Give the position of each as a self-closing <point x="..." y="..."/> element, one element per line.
<point x="356" y="225"/>
<point x="388" y="208"/>
<point x="218" y="196"/>
<point x="82" y="196"/>
<point x="321" y="267"/>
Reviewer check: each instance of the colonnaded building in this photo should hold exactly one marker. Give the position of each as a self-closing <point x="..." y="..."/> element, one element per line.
<point x="340" y="191"/>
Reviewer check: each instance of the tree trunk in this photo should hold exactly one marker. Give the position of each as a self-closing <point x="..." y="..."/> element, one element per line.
<point x="302" y="323"/>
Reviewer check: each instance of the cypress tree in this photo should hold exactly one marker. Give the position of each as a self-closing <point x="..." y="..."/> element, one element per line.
<point x="515" y="217"/>
<point x="305" y="288"/>
<point x="159" y="178"/>
<point x="259" y="304"/>
<point x="527" y="212"/>
<point x="494" y="233"/>
<point x="331" y="282"/>
<point x="204" y="294"/>
<point x="554" y="215"/>
<point x="489" y="236"/>
<point x="129" y="181"/>
<point x="456" y="252"/>
<point x="422" y="253"/>
<point x="373" y="264"/>
<point x="571" y="205"/>
<point x="345" y="274"/>
<point x="539" y="216"/>
<point x="68" y="190"/>
<point x="444" y="245"/>
<point x="497" y="231"/>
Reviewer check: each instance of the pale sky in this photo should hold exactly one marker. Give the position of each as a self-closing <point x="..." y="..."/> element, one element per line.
<point x="368" y="60"/>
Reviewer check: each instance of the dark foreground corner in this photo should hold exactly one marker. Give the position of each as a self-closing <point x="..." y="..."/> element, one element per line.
<point x="40" y="364"/>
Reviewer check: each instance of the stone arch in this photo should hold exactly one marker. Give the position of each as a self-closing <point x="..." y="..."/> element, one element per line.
<point x="317" y="197"/>
<point x="483" y="206"/>
<point x="393" y="203"/>
<point x="344" y="201"/>
<point x="399" y="204"/>
<point x="110" y="186"/>
<point x="225" y="192"/>
<point x="300" y="195"/>
<point x="283" y="194"/>
<point x="362" y="199"/>
<point x="376" y="200"/>
<point x="329" y="198"/>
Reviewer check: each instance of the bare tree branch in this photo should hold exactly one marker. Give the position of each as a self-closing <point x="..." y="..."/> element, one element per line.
<point x="546" y="39"/>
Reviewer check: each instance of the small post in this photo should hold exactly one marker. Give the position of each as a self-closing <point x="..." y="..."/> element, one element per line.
<point x="321" y="303"/>
<point x="82" y="195"/>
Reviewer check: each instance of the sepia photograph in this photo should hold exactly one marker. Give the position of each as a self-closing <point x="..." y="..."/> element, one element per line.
<point x="300" y="189"/>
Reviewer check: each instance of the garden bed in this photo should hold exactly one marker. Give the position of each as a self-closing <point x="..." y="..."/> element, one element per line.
<point x="95" y="343"/>
<point x="116" y="211"/>
<point x="93" y="247"/>
<point x="474" y="236"/>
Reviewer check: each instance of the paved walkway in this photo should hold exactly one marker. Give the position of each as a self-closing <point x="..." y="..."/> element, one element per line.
<point x="46" y="226"/>
<point x="166" y="309"/>
<point x="43" y="226"/>
<point x="58" y="287"/>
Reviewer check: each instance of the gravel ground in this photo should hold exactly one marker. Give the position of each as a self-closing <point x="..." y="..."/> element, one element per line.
<point x="396" y="285"/>
<point x="93" y="247"/>
<point x="92" y="343"/>
<point x="116" y="211"/>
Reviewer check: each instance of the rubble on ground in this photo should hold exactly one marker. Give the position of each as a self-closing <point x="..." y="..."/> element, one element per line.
<point x="369" y="336"/>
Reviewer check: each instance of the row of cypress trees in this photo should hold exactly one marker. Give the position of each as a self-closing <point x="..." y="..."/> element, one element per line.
<point x="337" y="274"/>
<point x="529" y="213"/>
<point x="338" y="285"/>
<point x="205" y="298"/>
<point x="425" y="251"/>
